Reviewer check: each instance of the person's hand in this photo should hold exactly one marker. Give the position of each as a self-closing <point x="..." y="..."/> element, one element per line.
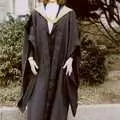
<point x="33" y="65"/>
<point x="68" y="66"/>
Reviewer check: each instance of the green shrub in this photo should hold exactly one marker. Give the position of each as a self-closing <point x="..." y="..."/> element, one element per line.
<point x="11" y="39"/>
<point x="92" y="63"/>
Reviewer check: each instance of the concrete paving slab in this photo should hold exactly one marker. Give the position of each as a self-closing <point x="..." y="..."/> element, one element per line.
<point x="84" y="112"/>
<point x="97" y="112"/>
<point x="11" y="113"/>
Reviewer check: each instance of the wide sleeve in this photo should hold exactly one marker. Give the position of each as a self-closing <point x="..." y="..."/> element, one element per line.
<point x="72" y="81"/>
<point x="27" y="76"/>
<point x="29" y="43"/>
<point x="26" y="45"/>
<point x="74" y="36"/>
<point x="76" y="52"/>
<point x="30" y="39"/>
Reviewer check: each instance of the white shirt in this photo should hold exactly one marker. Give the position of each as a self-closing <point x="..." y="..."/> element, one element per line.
<point x="51" y="11"/>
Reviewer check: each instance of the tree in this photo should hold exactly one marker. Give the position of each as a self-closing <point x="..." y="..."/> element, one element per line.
<point x="96" y="9"/>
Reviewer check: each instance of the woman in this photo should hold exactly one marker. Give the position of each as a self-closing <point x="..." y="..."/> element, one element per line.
<point x="50" y="62"/>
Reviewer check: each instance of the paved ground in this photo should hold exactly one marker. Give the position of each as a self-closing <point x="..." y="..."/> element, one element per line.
<point x="85" y="112"/>
<point x="97" y="112"/>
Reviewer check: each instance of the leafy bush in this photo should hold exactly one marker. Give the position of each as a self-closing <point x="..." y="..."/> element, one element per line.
<point x="11" y="38"/>
<point x="92" y="63"/>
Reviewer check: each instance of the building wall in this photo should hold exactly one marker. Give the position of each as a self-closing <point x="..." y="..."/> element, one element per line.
<point x="3" y="9"/>
<point x="15" y="7"/>
<point x="21" y="7"/>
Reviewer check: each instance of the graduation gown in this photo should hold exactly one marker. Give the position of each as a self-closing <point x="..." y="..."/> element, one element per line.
<point x="48" y="94"/>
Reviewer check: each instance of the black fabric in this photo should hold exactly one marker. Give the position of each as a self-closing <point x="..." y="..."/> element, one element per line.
<point x="49" y="94"/>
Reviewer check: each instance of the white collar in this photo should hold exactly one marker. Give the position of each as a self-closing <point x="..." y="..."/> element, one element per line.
<point x="64" y="10"/>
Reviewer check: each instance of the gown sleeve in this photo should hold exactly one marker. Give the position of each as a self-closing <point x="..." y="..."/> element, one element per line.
<point x="72" y="81"/>
<point x="74" y="37"/>
<point x="73" y="23"/>
<point x="31" y="38"/>
<point x="76" y="52"/>
<point x="27" y="76"/>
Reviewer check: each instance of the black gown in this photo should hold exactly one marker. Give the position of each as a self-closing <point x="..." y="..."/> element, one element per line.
<point x="49" y="94"/>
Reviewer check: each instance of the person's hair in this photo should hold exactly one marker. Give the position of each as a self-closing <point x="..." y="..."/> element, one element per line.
<point x="61" y="2"/>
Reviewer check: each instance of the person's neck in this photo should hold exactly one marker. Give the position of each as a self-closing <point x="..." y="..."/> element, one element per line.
<point x="52" y="2"/>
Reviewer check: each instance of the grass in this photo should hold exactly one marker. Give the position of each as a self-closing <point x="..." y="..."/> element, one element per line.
<point x="109" y="91"/>
<point x="106" y="93"/>
<point x="9" y="95"/>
